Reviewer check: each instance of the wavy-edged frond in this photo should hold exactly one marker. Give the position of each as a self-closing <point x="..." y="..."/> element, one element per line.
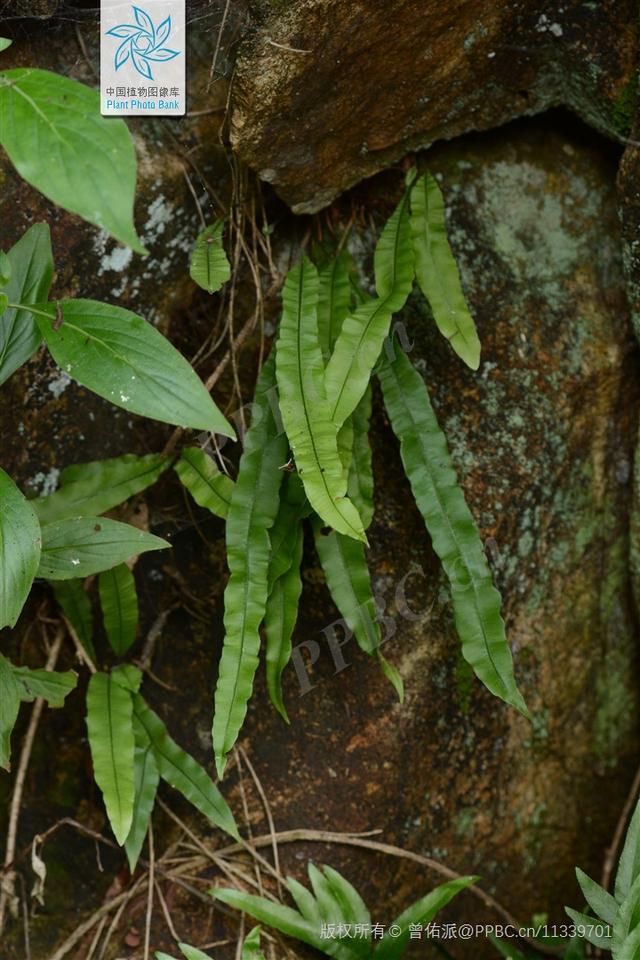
<point x="252" y="512"/>
<point x="303" y="403"/>
<point x="455" y="537"/>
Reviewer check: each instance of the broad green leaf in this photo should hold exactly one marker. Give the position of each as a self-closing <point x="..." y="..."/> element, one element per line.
<point x="251" y="946"/>
<point x="4" y="43"/>
<point x="293" y="507"/>
<point x="9" y="706"/>
<point x="428" y="465"/>
<point x="349" y="582"/>
<point x="123" y="358"/>
<point x="360" y="484"/>
<point x="146" y="778"/>
<point x="280" y="619"/>
<point x="86" y="545"/>
<point x="110" y="727"/>
<point x="57" y="140"/>
<point x="31" y="275"/>
<point x="76" y="606"/>
<point x="52" y="686"/>
<point x="208" y="486"/>
<point x="629" y="862"/>
<point x="89" y="489"/>
<point x="422" y="911"/>
<point x="364" y="330"/>
<point x="304" y="406"/>
<point x="119" y="602"/>
<point x="182" y="772"/>
<point x="209" y="264"/>
<point x="589" y="924"/>
<point x="19" y="550"/>
<point x="601" y="902"/>
<point x="253" y="509"/>
<point x="285" y="920"/>
<point x="437" y="271"/>
<point x="334" y="297"/>
<point x="5" y="269"/>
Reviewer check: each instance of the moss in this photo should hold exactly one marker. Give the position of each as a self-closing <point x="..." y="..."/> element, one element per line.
<point x="624" y="106"/>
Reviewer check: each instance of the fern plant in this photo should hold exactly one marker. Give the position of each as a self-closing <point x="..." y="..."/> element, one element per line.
<point x="329" y="345"/>
<point x="333" y="918"/>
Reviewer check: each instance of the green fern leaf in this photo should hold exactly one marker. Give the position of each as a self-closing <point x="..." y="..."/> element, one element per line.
<point x="208" y="486"/>
<point x="363" y="332"/>
<point x="334" y="296"/>
<point x="456" y="540"/>
<point x="280" y="619"/>
<point x="360" y="485"/>
<point x="181" y="771"/>
<point x="210" y="267"/>
<point x="146" y="779"/>
<point x="119" y="601"/>
<point x="437" y="271"/>
<point x="303" y="403"/>
<point x="76" y="606"/>
<point x="110" y="727"/>
<point x="253" y="509"/>
<point x="9" y="706"/>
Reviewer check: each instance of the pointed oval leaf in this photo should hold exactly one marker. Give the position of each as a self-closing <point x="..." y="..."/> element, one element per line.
<point x="589" y="925"/>
<point x="124" y="359"/>
<point x="275" y="915"/>
<point x="437" y="271"/>
<point x="99" y="486"/>
<point x="146" y="778"/>
<point x="192" y="953"/>
<point x="455" y="537"/>
<point x="353" y="908"/>
<point x="182" y="772"/>
<point x="31" y="263"/>
<point x="110" y="727"/>
<point x="210" y="267"/>
<point x="209" y="487"/>
<point x="86" y="545"/>
<point x="360" y="484"/>
<point x="76" y="606"/>
<point x="119" y="602"/>
<point x="57" y="140"/>
<point x="602" y="903"/>
<point x="304" y="406"/>
<point x="19" y="550"/>
<point x="9" y="706"/>
<point x="363" y="332"/>
<point x="252" y="512"/>
<point x="305" y="902"/>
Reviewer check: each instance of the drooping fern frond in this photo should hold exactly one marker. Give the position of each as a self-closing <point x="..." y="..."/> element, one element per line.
<point x="363" y="331"/>
<point x="428" y="465"/>
<point x="437" y="271"/>
<point x="304" y="406"/>
<point x="252" y="512"/>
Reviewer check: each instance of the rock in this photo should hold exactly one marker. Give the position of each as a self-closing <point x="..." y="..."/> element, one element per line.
<point x="327" y="92"/>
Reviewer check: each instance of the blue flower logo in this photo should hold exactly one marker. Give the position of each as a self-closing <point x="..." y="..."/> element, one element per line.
<point x="142" y="42"/>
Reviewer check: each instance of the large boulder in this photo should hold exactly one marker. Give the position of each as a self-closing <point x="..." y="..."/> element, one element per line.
<point x="327" y="92"/>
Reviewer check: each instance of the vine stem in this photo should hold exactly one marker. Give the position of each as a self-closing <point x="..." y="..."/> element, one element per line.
<point x="7" y="889"/>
